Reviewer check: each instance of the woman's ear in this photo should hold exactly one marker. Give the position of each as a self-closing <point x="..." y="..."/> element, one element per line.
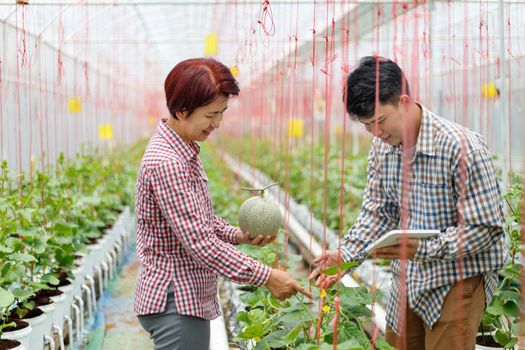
<point x="181" y="115"/>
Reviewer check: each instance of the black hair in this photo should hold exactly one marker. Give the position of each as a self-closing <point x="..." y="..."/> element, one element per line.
<point x="360" y="94"/>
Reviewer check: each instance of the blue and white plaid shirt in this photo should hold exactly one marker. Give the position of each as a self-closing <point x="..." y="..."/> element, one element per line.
<point x="452" y="187"/>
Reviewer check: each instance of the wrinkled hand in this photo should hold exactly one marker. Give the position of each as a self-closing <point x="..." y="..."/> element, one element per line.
<point x="328" y="259"/>
<point x="244" y="237"/>
<point x="395" y="251"/>
<point x="283" y="286"/>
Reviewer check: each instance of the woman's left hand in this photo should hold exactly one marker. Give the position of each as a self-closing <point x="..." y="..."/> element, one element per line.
<point x="244" y="238"/>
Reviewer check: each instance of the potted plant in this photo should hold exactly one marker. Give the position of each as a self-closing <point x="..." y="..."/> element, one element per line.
<point x="500" y="319"/>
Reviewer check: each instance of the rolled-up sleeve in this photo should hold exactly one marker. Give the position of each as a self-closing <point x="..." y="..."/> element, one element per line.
<point x="224" y="230"/>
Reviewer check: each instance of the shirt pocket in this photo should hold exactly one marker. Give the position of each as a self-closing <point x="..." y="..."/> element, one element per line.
<point x="432" y="205"/>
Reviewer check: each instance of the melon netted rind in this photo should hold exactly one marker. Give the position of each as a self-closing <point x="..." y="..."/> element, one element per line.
<point x="260" y="216"/>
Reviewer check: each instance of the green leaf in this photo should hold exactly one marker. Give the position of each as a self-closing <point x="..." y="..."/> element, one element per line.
<point x="51" y="279"/>
<point x="381" y="344"/>
<point x="243" y="317"/>
<point x="291" y="336"/>
<point x="4" y="249"/>
<point x="351" y="344"/>
<point x="358" y="311"/>
<point x="502" y="337"/>
<point x="307" y="347"/>
<point x="355" y="295"/>
<point x="22" y="257"/>
<point x="291" y="319"/>
<point x="27" y="214"/>
<point x="496" y="307"/>
<point x="22" y="294"/>
<point x="342" y="267"/>
<point x="511" y="308"/>
<point x="253" y="331"/>
<point x="6" y="325"/>
<point x="510" y="344"/>
<point x="6" y="298"/>
<point x="262" y="345"/>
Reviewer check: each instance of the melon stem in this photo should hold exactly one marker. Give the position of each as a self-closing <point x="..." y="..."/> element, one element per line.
<point x="259" y="189"/>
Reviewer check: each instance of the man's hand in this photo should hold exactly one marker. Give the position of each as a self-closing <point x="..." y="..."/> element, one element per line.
<point x="282" y="286"/>
<point x="329" y="259"/>
<point x="396" y="251"/>
<point x="244" y="237"/>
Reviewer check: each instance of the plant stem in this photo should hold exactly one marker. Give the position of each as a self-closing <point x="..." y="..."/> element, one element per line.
<point x="259" y="189"/>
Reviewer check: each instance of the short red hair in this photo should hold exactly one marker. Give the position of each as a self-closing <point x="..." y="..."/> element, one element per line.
<point x="196" y="82"/>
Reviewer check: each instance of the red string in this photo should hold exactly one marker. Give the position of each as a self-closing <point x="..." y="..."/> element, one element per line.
<point x="266" y="20"/>
<point x="19" y="112"/>
<point x="312" y="140"/>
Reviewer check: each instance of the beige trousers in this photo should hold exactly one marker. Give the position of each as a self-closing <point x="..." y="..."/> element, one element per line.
<point x="456" y="328"/>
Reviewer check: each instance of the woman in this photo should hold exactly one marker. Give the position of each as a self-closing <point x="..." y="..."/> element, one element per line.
<point x="181" y="245"/>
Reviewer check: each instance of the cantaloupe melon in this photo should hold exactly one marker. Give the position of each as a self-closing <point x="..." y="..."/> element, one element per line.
<point x="259" y="215"/>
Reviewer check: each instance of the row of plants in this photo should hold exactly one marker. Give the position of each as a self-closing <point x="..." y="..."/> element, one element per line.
<point x="336" y="315"/>
<point x="500" y="325"/>
<point x="303" y="170"/>
<point x="48" y="217"/>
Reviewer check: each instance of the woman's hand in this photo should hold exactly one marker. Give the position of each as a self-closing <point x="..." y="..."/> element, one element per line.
<point x="282" y="286"/>
<point x="244" y="238"/>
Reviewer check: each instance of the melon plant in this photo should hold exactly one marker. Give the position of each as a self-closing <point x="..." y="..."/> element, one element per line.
<point x="259" y="215"/>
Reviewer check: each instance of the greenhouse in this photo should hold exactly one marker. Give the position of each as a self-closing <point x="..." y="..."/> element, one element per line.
<point x="262" y="174"/>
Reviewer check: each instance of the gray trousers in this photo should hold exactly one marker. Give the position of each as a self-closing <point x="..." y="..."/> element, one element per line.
<point x="172" y="331"/>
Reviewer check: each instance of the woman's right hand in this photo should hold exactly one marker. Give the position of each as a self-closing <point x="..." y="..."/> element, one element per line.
<point x="283" y="286"/>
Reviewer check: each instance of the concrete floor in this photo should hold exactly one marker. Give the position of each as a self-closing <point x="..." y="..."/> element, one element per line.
<point x="116" y="326"/>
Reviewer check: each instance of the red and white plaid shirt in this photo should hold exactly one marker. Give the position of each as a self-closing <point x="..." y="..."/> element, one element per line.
<point x="179" y="238"/>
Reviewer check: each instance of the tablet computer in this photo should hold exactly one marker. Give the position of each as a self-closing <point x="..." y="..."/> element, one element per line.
<point x="392" y="237"/>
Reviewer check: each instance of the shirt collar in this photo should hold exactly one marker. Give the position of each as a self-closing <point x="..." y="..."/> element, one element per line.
<point x="425" y="141"/>
<point x="187" y="151"/>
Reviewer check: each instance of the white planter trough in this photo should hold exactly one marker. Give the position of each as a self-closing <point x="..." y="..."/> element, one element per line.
<point x="38" y="324"/>
<point x="22" y="335"/>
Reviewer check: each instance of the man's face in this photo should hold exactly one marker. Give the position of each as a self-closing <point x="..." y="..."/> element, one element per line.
<point x="387" y="123"/>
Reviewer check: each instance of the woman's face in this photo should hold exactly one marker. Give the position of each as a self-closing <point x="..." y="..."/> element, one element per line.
<point x="198" y="125"/>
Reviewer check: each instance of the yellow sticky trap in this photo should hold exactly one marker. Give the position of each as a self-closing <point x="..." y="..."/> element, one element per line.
<point x="211" y="44"/>
<point x="295" y="128"/>
<point x="74" y="105"/>
<point x="105" y="132"/>
<point x="152" y="120"/>
<point x="489" y="91"/>
<point x="235" y="71"/>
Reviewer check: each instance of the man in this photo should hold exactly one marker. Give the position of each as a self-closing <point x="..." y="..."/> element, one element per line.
<point x="424" y="172"/>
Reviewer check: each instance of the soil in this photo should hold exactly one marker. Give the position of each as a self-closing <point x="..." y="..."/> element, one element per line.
<point x="19" y="325"/>
<point x="47" y="293"/>
<point x="63" y="283"/>
<point x="32" y="313"/>
<point x="8" y="344"/>
<point x="487" y="341"/>
<point x="92" y="240"/>
<point x="40" y="300"/>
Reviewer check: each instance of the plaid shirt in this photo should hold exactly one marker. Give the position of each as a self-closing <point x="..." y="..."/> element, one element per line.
<point x="452" y="188"/>
<point x="179" y="239"/>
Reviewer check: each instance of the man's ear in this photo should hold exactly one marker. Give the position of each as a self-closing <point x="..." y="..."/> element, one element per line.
<point x="404" y="102"/>
<point x="181" y="115"/>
